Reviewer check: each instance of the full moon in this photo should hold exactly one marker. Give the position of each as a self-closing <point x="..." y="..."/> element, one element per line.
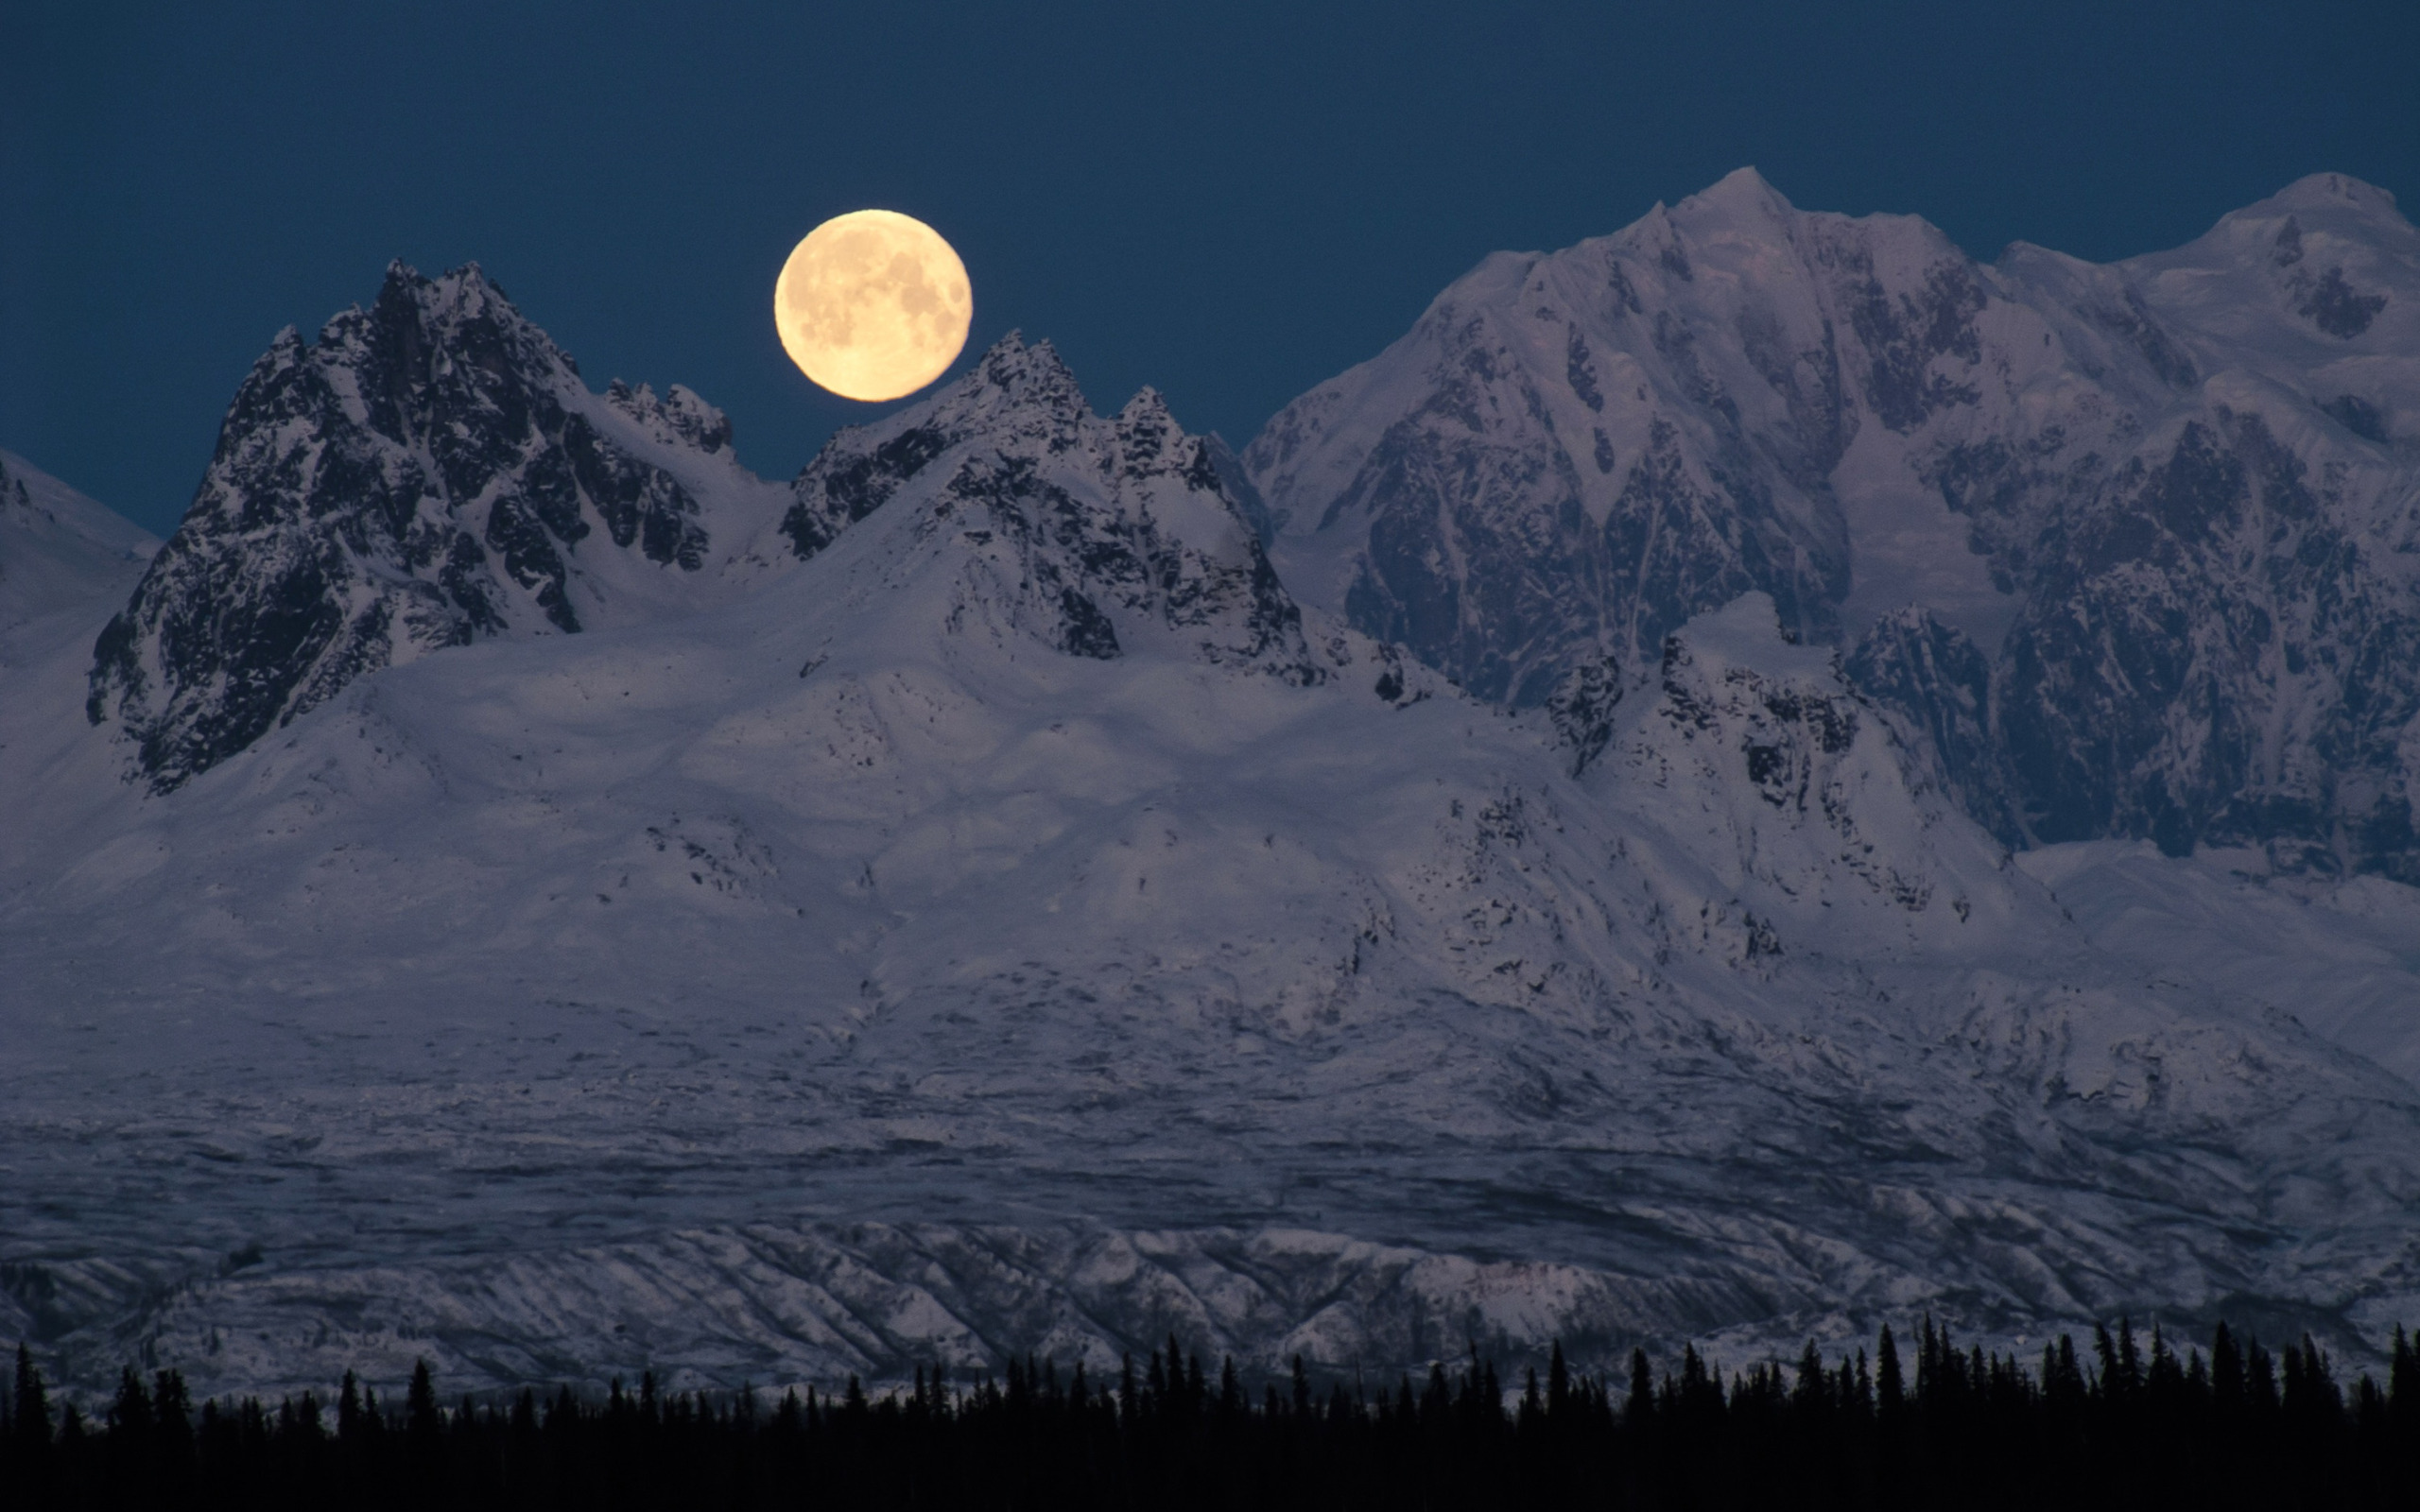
<point x="872" y="304"/>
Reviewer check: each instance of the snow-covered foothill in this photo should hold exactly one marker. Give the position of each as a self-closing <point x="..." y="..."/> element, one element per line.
<point x="978" y="909"/>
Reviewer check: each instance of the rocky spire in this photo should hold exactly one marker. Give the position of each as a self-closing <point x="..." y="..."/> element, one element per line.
<point x="425" y="473"/>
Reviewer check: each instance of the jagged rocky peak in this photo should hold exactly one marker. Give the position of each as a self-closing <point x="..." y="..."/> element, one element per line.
<point x="1734" y="683"/>
<point x="1017" y="398"/>
<point x="680" y="418"/>
<point x="430" y="471"/>
<point x="1658" y="414"/>
<point x="1082" y="531"/>
<point x="2153" y="510"/>
<point x="1741" y="660"/>
<point x="1763" y="738"/>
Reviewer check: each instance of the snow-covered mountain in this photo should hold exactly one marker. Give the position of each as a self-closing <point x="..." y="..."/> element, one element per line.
<point x="59" y="550"/>
<point x="977" y="909"/>
<point x="431" y="471"/>
<point x="2137" y="544"/>
<point x="66" y="564"/>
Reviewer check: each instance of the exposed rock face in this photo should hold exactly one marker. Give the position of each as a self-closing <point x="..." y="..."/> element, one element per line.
<point x="1007" y="922"/>
<point x="432" y="471"/>
<point x="1807" y="797"/>
<point x="1078" y="525"/>
<point x="2163" y="515"/>
<point x="1939" y="680"/>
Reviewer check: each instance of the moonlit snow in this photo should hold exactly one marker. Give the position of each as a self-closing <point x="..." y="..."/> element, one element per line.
<point x="979" y="904"/>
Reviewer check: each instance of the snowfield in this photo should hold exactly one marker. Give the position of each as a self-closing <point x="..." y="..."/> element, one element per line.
<point x="969" y="905"/>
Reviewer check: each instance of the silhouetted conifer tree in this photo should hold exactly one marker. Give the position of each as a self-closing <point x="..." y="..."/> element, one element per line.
<point x="1985" y="1432"/>
<point x="130" y="1414"/>
<point x="1890" y="1390"/>
<point x="29" y="1407"/>
<point x="2226" y="1372"/>
<point x="2403" y="1399"/>
<point x="2260" y="1380"/>
<point x="1811" y="1395"/>
<point x="423" y="1425"/>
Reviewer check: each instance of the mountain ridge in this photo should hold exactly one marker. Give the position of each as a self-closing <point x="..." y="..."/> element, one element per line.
<point x="420" y="477"/>
<point x="980" y="908"/>
<point x="2163" y="499"/>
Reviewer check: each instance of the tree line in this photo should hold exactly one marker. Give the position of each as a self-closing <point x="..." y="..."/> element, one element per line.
<point x="2117" y="1425"/>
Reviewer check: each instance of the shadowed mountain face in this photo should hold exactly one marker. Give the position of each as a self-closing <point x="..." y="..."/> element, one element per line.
<point x="2168" y="509"/>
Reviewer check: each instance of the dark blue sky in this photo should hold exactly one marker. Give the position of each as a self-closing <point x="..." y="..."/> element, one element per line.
<point x="1231" y="203"/>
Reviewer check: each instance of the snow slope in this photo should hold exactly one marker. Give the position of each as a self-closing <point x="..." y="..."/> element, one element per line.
<point x="2154" y="522"/>
<point x="1010" y="921"/>
<point x="59" y="550"/>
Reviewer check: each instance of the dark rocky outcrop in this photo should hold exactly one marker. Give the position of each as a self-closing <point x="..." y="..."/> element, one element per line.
<point x="430" y="472"/>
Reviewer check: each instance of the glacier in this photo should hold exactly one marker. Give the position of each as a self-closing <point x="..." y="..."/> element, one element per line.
<point x="995" y="893"/>
<point x="2166" y="509"/>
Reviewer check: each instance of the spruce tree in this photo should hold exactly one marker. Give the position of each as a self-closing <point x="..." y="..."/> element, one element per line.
<point x="130" y="1414"/>
<point x="420" y="1411"/>
<point x="30" y="1427"/>
<point x="172" y="1421"/>
<point x="1890" y="1391"/>
<point x="2311" y="1394"/>
<point x="2403" y="1389"/>
<point x="2165" y="1377"/>
<point x="423" y="1426"/>
<point x="1927" y="1365"/>
<point x="2261" y="1380"/>
<point x="1641" y="1406"/>
<point x="2063" y="1383"/>
<point x="2226" y="1372"/>
<point x="1811" y="1395"/>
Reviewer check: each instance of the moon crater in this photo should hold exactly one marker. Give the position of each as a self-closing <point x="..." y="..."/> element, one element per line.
<point x="873" y="305"/>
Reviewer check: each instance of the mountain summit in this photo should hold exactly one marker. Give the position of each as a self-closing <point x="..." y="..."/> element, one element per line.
<point x="430" y="472"/>
<point x="1081" y="524"/>
<point x="2156" y="520"/>
<point x="981" y="898"/>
